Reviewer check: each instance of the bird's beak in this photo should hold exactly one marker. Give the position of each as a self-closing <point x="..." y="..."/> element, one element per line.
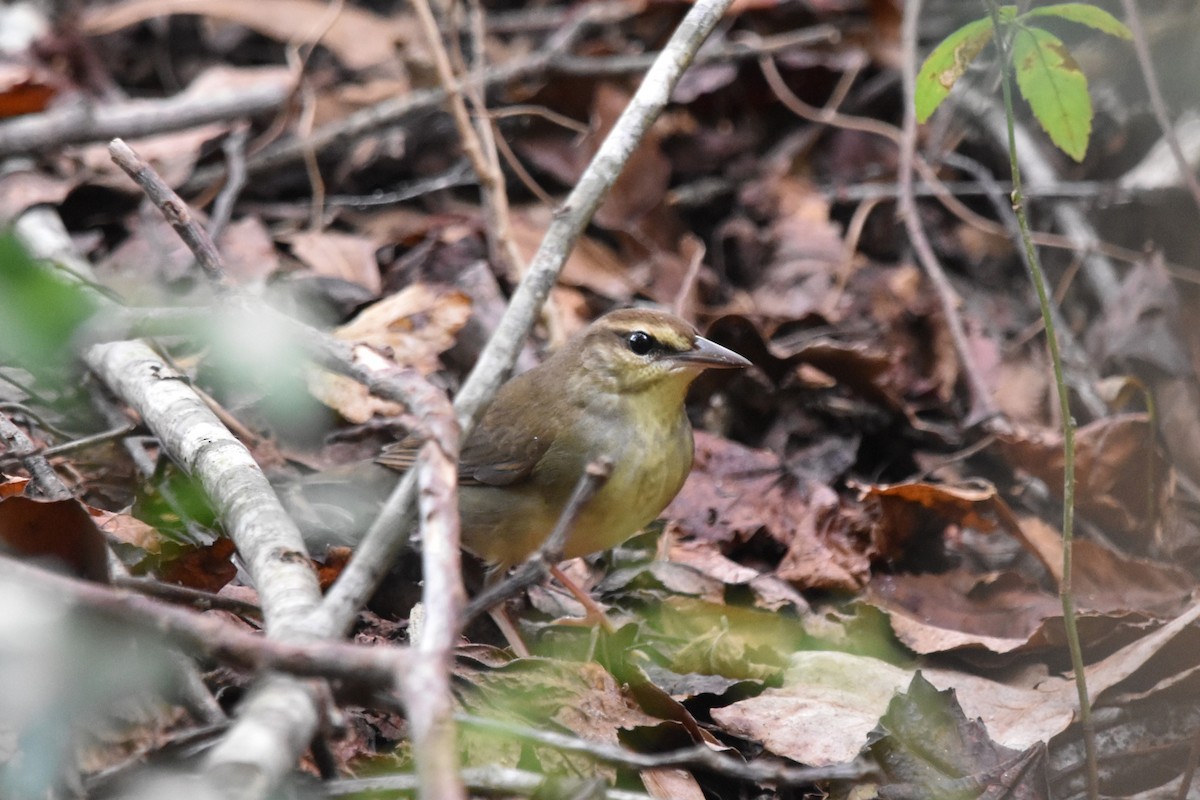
<point x="710" y="355"/>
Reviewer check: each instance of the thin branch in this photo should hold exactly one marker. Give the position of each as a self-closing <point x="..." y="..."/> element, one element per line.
<point x="234" y="148"/>
<point x="41" y="474"/>
<point x="1003" y="43"/>
<point x="477" y="144"/>
<point x="211" y="637"/>
<point x="551" y="60"/>
<point x="76" y="124"/>
<point x="983" y="404"/>
<point x="426" y="684"/>
<point x="172" y="207"/>
<point x="699" y="757"/>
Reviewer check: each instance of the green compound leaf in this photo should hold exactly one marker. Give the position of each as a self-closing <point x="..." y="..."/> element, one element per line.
<point x="947" y="63"/>
<point x="1055" y="88"/>
<point x="1084" y="14"/>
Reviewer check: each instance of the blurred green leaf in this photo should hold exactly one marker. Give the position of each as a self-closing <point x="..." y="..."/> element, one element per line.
<point x="39" y="312"/>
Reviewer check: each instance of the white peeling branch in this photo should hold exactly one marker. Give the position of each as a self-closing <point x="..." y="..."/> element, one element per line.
<point x="277" y="721"/>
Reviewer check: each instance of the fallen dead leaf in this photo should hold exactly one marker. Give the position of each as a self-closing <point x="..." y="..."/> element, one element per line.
<point x="359" y="38"/>
<point x="927" y="745"/>
<point x="1117" y="466"/>
<point x="338" y="255"/>
<point x="734" y="492"/>
<point x="830" y="701"/>
<point x="59" y="532"/>
<point x="413" y="326"/>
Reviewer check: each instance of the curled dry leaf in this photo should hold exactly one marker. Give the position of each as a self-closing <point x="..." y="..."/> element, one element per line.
<point x="413" y="326"/>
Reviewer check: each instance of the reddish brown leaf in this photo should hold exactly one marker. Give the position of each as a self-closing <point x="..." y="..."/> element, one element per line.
<point x="60" y="532"/>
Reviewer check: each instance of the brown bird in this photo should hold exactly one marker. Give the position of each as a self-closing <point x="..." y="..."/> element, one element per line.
<point x="615" y="391"/>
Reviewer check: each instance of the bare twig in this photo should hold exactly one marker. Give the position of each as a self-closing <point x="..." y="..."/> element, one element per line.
<point x="185" y="595"/>
<point x="426" y="684"/>
<point x="41" y="473"/>
<point x="983" y="405"/>
<point x="477" y="143"/>
<point x="212" y="637"/>
<point x="234" y="148"/>
<point x="83" y="123"/>
<point x="552" y="59"/>
<point x="701" y="757"/>
<point x="172" y="207"/>
<point x="89" y="441"/>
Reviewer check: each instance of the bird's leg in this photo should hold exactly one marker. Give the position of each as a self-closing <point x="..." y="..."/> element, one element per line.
<point x="595" y="614"/>
<point x="500" y="616"/>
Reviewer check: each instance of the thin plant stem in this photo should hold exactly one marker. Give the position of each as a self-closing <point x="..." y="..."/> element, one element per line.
<point x="1065" y="591"/>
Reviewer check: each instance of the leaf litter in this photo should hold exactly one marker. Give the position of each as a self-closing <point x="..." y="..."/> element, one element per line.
<point x="850" y="558"/>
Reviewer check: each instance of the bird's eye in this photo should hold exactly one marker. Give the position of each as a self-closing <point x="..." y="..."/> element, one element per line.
<point x="640" y="342"/>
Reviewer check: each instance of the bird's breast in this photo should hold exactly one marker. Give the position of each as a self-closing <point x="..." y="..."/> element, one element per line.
<point x="651" y="458"/>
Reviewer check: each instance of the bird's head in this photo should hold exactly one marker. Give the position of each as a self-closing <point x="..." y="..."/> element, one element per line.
<point x="637" y="350"/>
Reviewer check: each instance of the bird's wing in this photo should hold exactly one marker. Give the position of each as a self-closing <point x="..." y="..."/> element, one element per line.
<point x="494" y="454"/>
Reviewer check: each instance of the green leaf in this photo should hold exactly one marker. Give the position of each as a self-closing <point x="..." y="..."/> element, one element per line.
<point x="947" y="63"/>
<point x="1055" y="88"/>
<point x="39" y="312"/>
<point x="1084" y="14"/>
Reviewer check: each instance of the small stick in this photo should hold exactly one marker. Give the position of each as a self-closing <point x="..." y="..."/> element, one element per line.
<point x="172" y="207"/>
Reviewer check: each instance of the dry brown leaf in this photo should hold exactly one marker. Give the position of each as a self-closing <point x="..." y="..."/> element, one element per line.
<point x="248" y="251"/>
<point x="808" y="253"/>
<point x="338" y="255"/>
<point x="591" y="264"/>
<point x="27" y="88"/>
<point x="60" y="532"/>
<point x="905" y="507"/>
<point x="671" y="784"/>
<point x="359" y="38"/>
<point x="960" y="610"/>
<point x="124" y="527"/>
<point x="734" y="491"/>
<point x="21" y="190"/>
<point x="414" y="326"/>
<point x="828" y="704"/>
<point x="1117" y="466"/>
<point x="830" y="701"/>
<point x="1109" y="582"/>
<point x="642" y="184"/>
